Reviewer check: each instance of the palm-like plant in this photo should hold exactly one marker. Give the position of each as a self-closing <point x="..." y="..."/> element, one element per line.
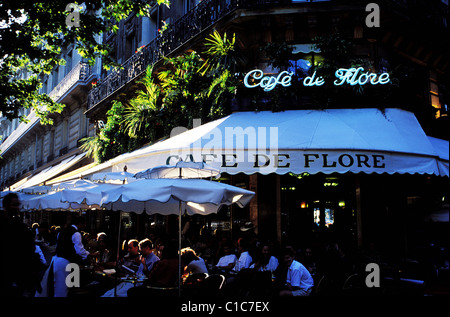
<point x="184" y="90"/>
<point x="190" y="87"/>
<point x="93" y="145"/>
<point x="221" y="54"/>
<point x="222" y="64"/>
<point x="140" y="112"/>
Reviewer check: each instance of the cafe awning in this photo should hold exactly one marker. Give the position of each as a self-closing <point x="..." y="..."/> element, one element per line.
<point x="51" y="171"/>
<point x="298" y="141"/>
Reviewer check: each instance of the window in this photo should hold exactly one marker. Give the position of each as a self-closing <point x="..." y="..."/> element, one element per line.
<point x="130" y="46"/>
<point x="186" y="6"/>
<point x="305" y="57"/>
<point x="304" y="64"/>
<point x="434" y="94"/>
<point x="68" y="62"/>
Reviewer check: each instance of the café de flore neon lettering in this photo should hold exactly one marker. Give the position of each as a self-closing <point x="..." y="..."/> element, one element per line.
<point x="350" y="76"/>
<point x="278" y="160"/>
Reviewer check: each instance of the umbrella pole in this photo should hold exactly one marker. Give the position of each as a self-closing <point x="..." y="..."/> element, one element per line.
<point x="118" y="252"/>
<point x="179" y="250"/>
<point x="179" y="243"/>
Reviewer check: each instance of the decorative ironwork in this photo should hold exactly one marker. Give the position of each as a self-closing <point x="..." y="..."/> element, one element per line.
<point x="202" y="16"/>
<point x="81" y="71"/>
<point x="205" y="14"/>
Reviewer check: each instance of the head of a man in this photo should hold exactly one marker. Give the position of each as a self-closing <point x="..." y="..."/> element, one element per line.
<point x="133" y="247"/>
<point x="11" y="204"/>
<point x="146" y="247"/>
<point x="288" y="256"/>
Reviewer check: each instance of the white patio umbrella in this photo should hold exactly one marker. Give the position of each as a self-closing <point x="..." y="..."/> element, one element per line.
<point x="72" y="184"/>
<point x="114" y="177"/>
<point x="37" y="190"/>
<point x="159" y="195"/>
<point x="180" y="170"/>
<point x="52" y="201"/>
<point x="172" y="196"/>
<point x="44" y="189"/>
<point x="22" y="197"/>
<point x="90" y="194"/>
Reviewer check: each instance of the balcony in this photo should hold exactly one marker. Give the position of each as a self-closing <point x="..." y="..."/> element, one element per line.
<point x="201" y="17"/>
<point x="81" y="72"/>
<point x="205" y="14"/>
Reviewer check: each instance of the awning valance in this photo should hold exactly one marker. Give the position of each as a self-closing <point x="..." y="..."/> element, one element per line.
<point x="298" y="141"/>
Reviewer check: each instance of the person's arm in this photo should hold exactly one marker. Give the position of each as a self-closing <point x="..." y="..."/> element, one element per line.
<point x="79" y="248"/>
<point x="230" y="266"/>
<point x="296" y="276"/>
<point x="225" y="263"/>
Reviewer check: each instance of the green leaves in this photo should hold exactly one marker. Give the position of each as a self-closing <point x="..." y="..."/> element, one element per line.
<point x="140" y="112"/>
<point x="36" y="32"/>
<point x="221" y="54"/>
<point x="187" y="89"/>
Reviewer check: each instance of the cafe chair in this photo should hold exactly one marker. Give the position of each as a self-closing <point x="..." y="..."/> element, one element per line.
<point x="318" y="286"/>
<point x="212" y="285"/>
<point x="353" y="285"/>
<point x="195" y="279"/>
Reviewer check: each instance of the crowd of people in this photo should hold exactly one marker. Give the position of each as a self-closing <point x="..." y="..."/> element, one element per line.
<point x="250" y="266"/>
<point x="49" y="249"/>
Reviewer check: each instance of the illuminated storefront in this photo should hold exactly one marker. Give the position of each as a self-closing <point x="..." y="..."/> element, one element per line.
<point x="306" y="166"/>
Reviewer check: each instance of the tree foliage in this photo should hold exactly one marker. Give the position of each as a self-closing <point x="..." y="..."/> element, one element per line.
<point x="32" y="34"/>
<point x="191" y="86"/>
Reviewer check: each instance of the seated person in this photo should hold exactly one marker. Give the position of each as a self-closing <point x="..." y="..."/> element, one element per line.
<point x="298" y="279"/>
<point x="148" y="258"/>
<point x="245" y="259"/>
<point x="192" y="263"/>
<point x="164" y="274"/>
<point x="105" y="257"/>
<point x="265" y="261"/>
<point x="129" y="264"/>
<point x="228" y="261"/>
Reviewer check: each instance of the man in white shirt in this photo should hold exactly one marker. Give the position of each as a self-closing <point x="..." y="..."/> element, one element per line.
<point x="228" y="261"/>
<point x="245" y="258"/>
<point x="299" y="281"/>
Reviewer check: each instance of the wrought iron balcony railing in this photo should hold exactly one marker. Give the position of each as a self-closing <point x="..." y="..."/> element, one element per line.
<point x="204" y="15"/>
<point x="81" y="71"/>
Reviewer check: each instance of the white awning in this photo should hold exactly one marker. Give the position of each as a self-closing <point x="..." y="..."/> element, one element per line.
<point x="298" y="141"/>
<point x="51" y="171"/>
<point x="442" y="149"/>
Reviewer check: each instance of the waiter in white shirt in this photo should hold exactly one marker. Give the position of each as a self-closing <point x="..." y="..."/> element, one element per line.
<point x="69" y="249"/>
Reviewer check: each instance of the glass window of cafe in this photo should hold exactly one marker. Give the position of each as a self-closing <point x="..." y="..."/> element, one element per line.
<point x="316" y="208"/>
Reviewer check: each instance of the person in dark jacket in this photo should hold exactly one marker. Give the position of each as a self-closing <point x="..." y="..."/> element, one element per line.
<point x="20" y="264"/>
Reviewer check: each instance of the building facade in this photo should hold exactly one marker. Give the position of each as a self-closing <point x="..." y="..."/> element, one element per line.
<point x="410" y="42"/>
